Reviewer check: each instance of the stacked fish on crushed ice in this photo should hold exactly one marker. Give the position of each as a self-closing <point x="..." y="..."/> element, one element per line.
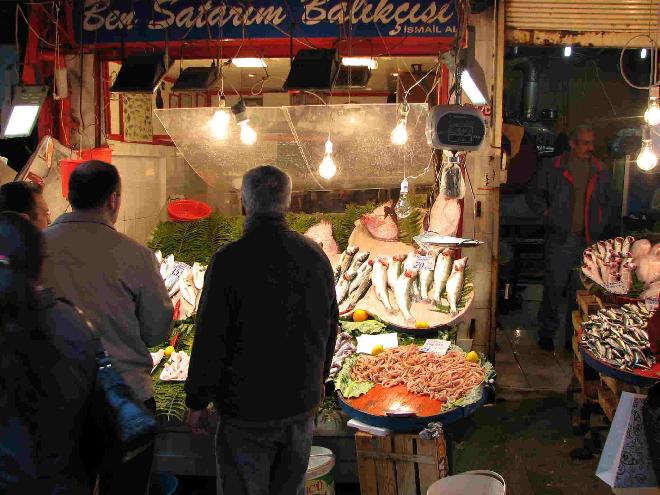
<point x="182" y="280"/>
<point x="344" y="348"/>
<point x="400" y="274"/>
<point x="610" y="263"/>
<point x="619" y="337"/>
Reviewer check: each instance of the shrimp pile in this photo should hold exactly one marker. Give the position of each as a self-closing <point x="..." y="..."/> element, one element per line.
<point x="444" y="378"/>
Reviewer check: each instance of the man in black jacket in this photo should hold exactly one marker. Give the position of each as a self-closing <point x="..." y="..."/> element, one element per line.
<point x="265" y="336"/>
<point x="573" y="193"/>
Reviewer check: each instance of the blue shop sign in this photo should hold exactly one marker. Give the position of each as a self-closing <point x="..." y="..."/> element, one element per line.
<point x="111" y="21"/>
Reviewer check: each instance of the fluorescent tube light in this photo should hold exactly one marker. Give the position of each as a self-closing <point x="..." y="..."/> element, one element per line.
<point x="471" y="89"/>
<point x="360" y="62"/>
<point x="249" y="62"/>
<point x="21" y="109"/>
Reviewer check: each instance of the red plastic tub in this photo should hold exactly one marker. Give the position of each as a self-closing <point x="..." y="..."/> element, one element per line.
<point x="187" y="210"/>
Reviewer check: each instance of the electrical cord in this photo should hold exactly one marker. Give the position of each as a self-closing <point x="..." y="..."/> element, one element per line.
<point x="652" y="79"/>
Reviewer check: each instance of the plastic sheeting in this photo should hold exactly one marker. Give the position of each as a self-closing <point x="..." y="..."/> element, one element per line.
<point x="293" y="139"/>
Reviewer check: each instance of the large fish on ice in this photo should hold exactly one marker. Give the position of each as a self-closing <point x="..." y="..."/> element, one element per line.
<point x="403" y="295"/>
<point x="322" y="234"/>
<point x="455" y="284"/>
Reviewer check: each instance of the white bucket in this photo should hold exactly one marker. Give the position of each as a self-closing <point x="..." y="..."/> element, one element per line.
<point x="469" y="483"/>
<point x="319" y="480"/>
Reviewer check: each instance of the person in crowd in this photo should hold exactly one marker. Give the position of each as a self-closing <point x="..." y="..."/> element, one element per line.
<point x="116" y="281"/>
<point x="47" y="373"/>
<point x="573" y="192"/>
<point x="27" y="199"/>
<point x="268" y="312"/>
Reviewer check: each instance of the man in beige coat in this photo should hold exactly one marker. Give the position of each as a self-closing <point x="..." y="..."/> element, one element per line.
<point x="116" y="281"/>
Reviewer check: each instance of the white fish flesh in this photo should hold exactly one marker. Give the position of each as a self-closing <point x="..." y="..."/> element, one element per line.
<point x="455" y="284"/>
<point x="361" y="289"/>
<point x="187" y="288"/>
<point x="426" y="279"/>
<point x="394" y="269"/>
<point x="379" y="280"/>
<point x="618" y="244"/>
<point x="321" y="233"/>
<point x="167" y="266"/>
<point x="443" y="266"/>
<point x="343" y="286"/>
<point x="627" y="244"/>
<point x="402" y="293"/>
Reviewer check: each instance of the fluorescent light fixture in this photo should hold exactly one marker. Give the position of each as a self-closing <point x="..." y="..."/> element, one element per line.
<point x="249" y="63"/>
<point x="196" y="79"/>
<point x="20" y="110"/>
<point x="567" y="51"/>
<point x="643" y="52"/>
<point x="471" y="89"/>
<point x="360" y="62"/>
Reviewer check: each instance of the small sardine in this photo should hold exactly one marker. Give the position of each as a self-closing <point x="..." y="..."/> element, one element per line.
<point x="394" y="270"/>
<point x="343" y="286"/>
<point x="362" y="288"/>
<point x="403" y="295"/>
<point x="443" y="266"/>
<point x="344" y="261"/>
<point x="367" y="267"/>
<point x="379" y="280"/>
<point x="357" y="262"/>
<point x="455" y="284"/>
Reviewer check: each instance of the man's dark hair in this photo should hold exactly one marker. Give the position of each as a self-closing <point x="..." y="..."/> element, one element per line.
<point x="19" y="197"/>
<point x="91" y="184"/>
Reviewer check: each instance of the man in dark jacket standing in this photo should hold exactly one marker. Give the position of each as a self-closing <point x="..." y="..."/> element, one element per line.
<point x="574" y="194"/>
<point x="264" y="340"/>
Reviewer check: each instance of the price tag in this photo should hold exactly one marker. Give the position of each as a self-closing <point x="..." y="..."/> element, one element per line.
<point x="616" y="288"/>
<point x="651" y="303"/>
<point x="422" y="262"/>
<point x="436" y="346"/>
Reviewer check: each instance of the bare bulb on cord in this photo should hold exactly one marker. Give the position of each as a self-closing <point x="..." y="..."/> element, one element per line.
<point x="403" y="208"/>
<point x="652" y="114"/>
<point x="248" y="135"/>
<point x="219" y="124"/>
<point x="399" y="135"/>
<point x="327" y="168"/>
<point x="647" y="159"/>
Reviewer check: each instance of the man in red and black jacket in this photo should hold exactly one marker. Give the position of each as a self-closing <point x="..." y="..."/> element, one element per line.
<point x="574" y="194"/>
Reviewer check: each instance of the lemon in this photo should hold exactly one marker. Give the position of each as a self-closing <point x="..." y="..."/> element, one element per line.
<point x="377" y="350"/>
<point x="472" y="357"/>
<point x="168" y="351"/>
<point x="360" y="315"/>
<point x="421" y="324"/>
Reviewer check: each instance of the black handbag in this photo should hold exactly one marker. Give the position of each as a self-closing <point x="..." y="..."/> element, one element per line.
<point x="118" y="426"/>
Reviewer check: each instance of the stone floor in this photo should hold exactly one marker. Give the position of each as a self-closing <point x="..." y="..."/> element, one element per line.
<point x="526" y="435"/>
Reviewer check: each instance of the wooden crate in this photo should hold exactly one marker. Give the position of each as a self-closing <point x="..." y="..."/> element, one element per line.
<point x="399" y="464"/>
<point x="588" y="304"/>
<point x="607" y="400"/>
<point x="588" y="380"/>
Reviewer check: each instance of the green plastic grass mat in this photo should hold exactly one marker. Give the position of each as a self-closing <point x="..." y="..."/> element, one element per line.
<point x="199" y="240"/>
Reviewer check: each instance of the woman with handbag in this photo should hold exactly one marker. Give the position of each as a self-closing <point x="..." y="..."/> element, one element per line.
<point x="47" y="373"/>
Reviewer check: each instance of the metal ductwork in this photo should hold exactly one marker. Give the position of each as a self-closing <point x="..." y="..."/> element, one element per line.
<point x="531" y="68"/>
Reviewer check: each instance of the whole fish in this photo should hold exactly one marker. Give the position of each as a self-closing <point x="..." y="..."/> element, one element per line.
<point x="426" y="279"/>
<point x="344" y="261"/>
<point x="357" y="262"/>
<point x="379" y="279"/>
<point x="362" y="288"/>
<point x="415" y="291"/>
<point x="402" y="293"/>
<point x="187" y="287"/>
<point x="443" y="266"/>
<point x="343" y="286"/>
<point x="367" y="266"/>
<point x="394" y="270"/>
<point x="167" y="266"/>
<point x="455" y="284"/>
<point x="198" y="273"/>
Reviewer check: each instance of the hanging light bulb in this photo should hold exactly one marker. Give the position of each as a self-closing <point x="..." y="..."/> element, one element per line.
<point x="248" y="135"/>
<point x="327" y="168"/>
<point x="399" y="135"/>
<point x="652" y="114"/>
<point x="219" y="124"/>
<point x="647" y="159"/>
<point x="403" y="208"/>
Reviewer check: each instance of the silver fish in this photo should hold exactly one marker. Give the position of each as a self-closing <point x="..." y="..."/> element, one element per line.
<point x="345" y="261"/>
<point x="402" y="293"/>
<point x="455" y="284"/>
<point x="365" y="269"/>
<point x="426" y="279"/>
<point x="361" y="290"/>
<point x="379" y="280"/>
<point x="443" y="266"/>
<point x="394" y="270"/>
<point x="342" y="287"/>
<point x="358" y="259"/>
